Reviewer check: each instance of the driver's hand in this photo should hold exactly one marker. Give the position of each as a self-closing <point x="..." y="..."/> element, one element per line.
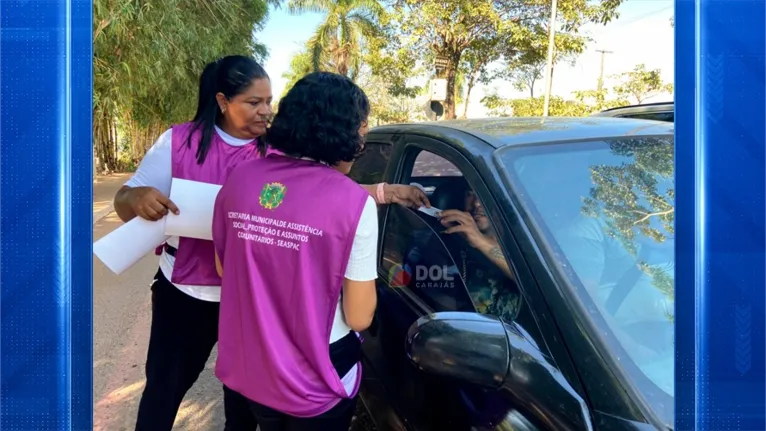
<point x="466" y="226"/>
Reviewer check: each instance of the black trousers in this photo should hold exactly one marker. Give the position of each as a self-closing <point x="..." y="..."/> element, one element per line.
<point x="183" y="333"/>
<point x="344" y="354"/>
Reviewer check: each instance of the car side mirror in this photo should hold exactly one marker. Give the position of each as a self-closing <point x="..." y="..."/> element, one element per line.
<point x="483" y="350"/>
<point x="447" y="344"/>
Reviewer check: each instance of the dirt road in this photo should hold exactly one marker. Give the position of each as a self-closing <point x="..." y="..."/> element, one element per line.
<point x="121" y="320"/>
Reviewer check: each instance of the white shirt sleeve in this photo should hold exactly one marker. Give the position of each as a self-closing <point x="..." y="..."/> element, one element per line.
<point x="156" y="169"/>
<point x="363" y="261"/>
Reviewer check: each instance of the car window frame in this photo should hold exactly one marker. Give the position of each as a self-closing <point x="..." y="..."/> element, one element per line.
<point x="549" y="337"/>
<point x="513" y="236"/>
<point x="377" y="141"/>
<point x="590" y="351"/>
<point x="641" y="115"/>
<point x="383" y="139"/>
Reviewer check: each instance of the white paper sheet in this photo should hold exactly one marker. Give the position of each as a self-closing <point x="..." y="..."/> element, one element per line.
<point x="126" y="245"/>
<point x="195" y="201"/>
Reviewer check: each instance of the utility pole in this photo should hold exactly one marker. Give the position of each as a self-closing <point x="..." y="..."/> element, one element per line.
<point x="601" y="74"/>
<point x="549" y="66"/>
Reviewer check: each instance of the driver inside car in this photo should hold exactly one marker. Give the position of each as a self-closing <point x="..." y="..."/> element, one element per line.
<point x="490" y="281"/>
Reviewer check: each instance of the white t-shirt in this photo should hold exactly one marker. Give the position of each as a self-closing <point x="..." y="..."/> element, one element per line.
<point x="156" y="171"/>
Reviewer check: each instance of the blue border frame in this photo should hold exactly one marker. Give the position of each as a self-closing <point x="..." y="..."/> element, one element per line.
<point x="720" y="135"/>
<point x="46" y="215"/>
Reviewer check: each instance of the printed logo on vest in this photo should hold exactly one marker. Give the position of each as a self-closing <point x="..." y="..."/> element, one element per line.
<point x="398" y="276"/>
<point x="272" y="195"/>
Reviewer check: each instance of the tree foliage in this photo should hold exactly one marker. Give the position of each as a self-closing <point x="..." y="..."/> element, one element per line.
<point x="475" y="65"/>
<point x="448" y="30"/>
<point x="445" y="30"/>
<point x="147" y="61"/>
<point x="525" y="76"/>
<point x="347" y="25"/>
<point x="599" y="100"/>
<point x="637" y="198"/>
<point x="389" y="59"/>
<point x="642" y="84"/>
<point x="557" y="107"/>
<point x="302" y="64"/>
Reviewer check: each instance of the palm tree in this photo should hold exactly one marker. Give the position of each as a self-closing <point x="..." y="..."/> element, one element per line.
<point x="347" y="25"/>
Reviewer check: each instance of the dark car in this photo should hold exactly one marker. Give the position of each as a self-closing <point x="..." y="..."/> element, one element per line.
<point x="662" y="111"/>
<point x="546" y="302"/>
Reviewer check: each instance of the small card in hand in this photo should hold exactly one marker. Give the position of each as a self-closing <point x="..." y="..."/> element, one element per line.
<point x="433" y="212"/>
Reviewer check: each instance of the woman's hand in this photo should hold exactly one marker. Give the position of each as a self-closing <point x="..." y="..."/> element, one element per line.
<point x="150" y="204"/>
<point x="405" y="195"/>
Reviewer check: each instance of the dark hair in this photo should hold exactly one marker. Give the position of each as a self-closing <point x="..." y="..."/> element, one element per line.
<point x="229" y="75"/>
<point x="319" y="118"/>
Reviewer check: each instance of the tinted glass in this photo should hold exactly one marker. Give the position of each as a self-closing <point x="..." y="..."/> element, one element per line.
<point x="430" y="165"/>
<point x="656" y="116"/>
<point x="371" y="165"/>
<point x="608" y="209"/>
<point x="458" y="265"/>
<point x="415" y="256"/>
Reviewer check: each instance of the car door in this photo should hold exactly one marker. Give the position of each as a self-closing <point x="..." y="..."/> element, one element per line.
<point x="424" y="270"/>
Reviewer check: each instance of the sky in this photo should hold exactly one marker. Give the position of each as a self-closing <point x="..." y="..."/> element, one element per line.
<point x="642" y="34"/>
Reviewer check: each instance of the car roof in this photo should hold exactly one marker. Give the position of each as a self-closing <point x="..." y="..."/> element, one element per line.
<point x="637" y="109"/>
<point x="506" y="131"/>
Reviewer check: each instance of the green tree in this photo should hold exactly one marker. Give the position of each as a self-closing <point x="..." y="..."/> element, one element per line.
<point x="391" y="61"/>
<point x="599" y="100"/>
<point x="147" y="61"/>
<point x="387" y="107"/>
<point x="641" y="84"/>
<point x="557" y="107"/>
<point x="496" y="105"/>
<point x="475" y="64"/>
<point x="302" y="64"/>
<point x="445" y="30"/>
<point x="525" y="76"/>
<point x="529" y="53"/>
<point x="533" y="107"/>
<point x="347" y="25"/>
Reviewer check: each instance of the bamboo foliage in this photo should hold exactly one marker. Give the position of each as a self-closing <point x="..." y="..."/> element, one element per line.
<point x="148" y="55"/>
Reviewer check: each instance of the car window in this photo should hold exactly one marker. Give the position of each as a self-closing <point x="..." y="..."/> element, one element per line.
<point x="457" y="267"/>
<point x="608" y="209"/>
<point x="428" y="164"/>
<point x="656" y="116"/>
<point x="370" y="167"/>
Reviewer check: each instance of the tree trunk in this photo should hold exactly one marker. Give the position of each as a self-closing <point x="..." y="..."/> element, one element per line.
<point x="471" y="83"/>
<point x="449" y="104"/>
<point x="104" y="144"/>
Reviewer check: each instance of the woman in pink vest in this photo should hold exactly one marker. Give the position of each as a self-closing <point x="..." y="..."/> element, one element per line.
<point x="233" y="111"/>
<point x="296" y="241"/>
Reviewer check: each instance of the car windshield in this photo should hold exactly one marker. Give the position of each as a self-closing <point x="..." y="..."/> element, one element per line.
<point x="608" y="208"/>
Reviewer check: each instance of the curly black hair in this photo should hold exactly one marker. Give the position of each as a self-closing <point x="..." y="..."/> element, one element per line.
<point x="319" y="118"/>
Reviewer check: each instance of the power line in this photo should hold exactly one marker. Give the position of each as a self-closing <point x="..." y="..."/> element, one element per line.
<point x="633" y="20"/>
<point x="646" y="15"/>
